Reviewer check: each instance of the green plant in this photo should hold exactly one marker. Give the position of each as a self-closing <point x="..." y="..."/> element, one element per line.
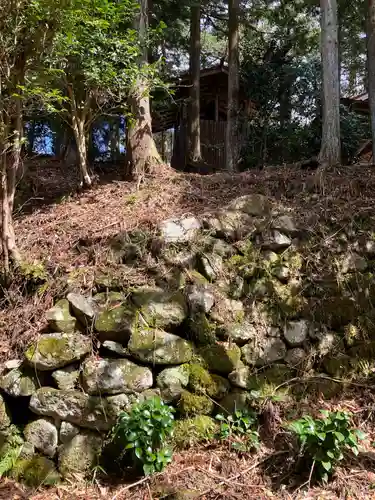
<point x="10" y="451"/>
<point x="324" y="440"/>
<point x="143" y="431"/>
<point x="239" y="430"/>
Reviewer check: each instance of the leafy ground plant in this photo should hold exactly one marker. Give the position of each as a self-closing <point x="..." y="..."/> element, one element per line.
<point x="239" y="430"/>
<point x="325" y="440"/>
<point x="143" y="431"/>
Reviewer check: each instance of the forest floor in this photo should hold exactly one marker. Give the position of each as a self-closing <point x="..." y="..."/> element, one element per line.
<point x="55" y="225"/>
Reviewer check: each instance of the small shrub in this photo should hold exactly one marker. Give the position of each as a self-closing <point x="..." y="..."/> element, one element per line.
<point x="239" y="430"/>
<point x="143" y="432"/>
<point x="324" y="440"/>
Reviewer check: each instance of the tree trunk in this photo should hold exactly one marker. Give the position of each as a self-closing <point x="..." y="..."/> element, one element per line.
<point x="79" y="132"/>
<point x="232" y="141"/>
<point x="194" y="131"/>
<point x="371" y="67"/>
<point x="142" y="151"/>
<point x="330" y="153"/>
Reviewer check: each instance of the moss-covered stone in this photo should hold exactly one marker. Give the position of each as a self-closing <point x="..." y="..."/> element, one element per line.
<point x="263" y="351"/>
<point x="56" y="350"/>
<point x="67" y="377"/>
<point x="114" y="376"/>
<point x="36" y="471"/>
<point x="160" y="309"/>
<point x="194" y="404"/>
<point x="222" y="357"/>
<point x="338" y="365"/>
<point x="172" y="381"/>
<point x="202" y="330"/>
<point x="60" y="319"/>
<point x="227" y="311"/>
<point x="116" y="323"/>
<point x="42" y="434"/>
<point x="80" y="454"/>
<point x="203" y="382"/>
<point x="20" y="382"/>
<point x="158" y="347"/>
<point x="5" y="420"/>
<point x="78" y="408"/>
<point x="236" y="399"/>
<point x="84" y="308"/>
<point x="192" y="431"/>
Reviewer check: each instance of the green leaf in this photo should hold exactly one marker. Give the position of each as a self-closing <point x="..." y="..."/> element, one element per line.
<point x="327" y="465"/>
<point x="339" y="436"/>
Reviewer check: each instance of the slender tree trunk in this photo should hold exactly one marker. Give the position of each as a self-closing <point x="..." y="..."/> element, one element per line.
<point x="78" y="117"/>
<point x="194" y="131"/>
<point x="79" y="132"/>
<point x="330" y="153"/>
<point x="232" y="139"/>
<point x="142" y="151"/>
<point x="371" y="67"/>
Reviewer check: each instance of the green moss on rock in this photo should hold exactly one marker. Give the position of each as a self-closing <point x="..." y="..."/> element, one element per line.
<point x="60" y="319"/>
<point x="202" y="330"/>
<point x="194" y="404"/>
<point x="222" y="357"/>
<point x="192" y="431"/>
<point x="80" y="454"/>
<point x="36" y="471"/>
<point x="203" y="382"/>
<point x="56" y="350"/>
<point x="116" y="323"/>
<point x="158" y="347"/>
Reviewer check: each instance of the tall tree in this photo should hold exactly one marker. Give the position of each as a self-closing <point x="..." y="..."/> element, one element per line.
<point x="330" y="152"/>
<point x="232" y="141"/>
<point x="142" y="152"/>
<point x="371" y="67"/>
<point x="194" y="132"/>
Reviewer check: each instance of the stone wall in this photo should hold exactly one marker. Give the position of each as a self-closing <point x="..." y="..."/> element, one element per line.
<point x="242" y="300"/>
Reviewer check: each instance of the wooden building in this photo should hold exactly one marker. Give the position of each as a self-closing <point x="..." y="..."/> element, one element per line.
<point x="173" y="115"/>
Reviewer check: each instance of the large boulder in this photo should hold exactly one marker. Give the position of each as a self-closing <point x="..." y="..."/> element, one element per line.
<point x="179" y="230"/>
<point x="91" y="412"/>
<point x="251" y="204"/>
<point x="261" y="352"/>
<point x="114" y="376"/>
<point x="42" y="434"/>
<point x="159" y="308"/>
<point x="159" y="347"/>
<point x="55" y="350"/>
<point x="19" y="382"/>
<point x="60" y="319"/>
<point x="221" y="357"/>
<point x="80" y="454"/>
